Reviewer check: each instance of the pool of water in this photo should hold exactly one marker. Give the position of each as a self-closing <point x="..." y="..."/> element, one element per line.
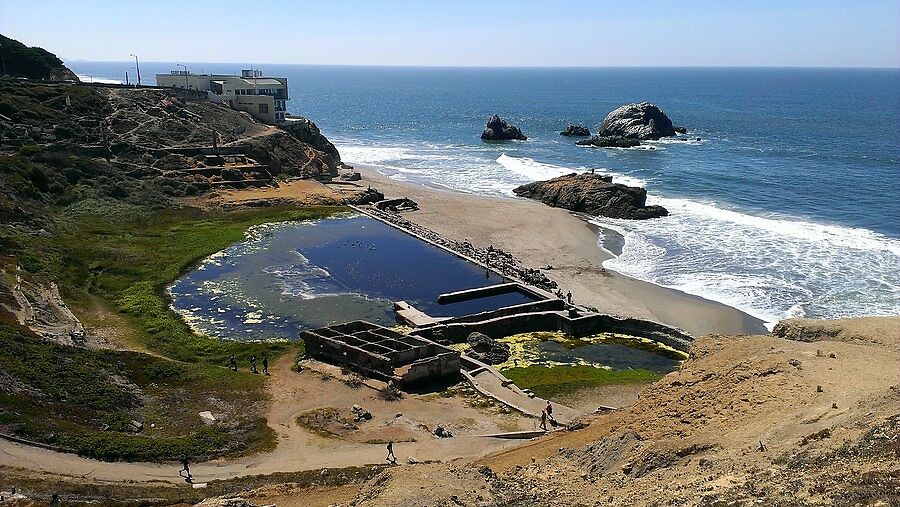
<point x="605" y="350"/>
<point x="291" y="276"/>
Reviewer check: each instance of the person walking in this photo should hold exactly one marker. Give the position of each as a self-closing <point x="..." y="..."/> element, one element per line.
<point x="549" y="411"/>
<point x="569" y="296"/>
<point x="544" y="420"/>
<point x="390" y="455"/>
<point x="253" y="364"/>
<point x="265" y="365"/>
<point x="232" y="363"/>
<point x="185" y="471"/>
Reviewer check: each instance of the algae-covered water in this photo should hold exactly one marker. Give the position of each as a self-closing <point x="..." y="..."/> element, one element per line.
<point x="605" y="350"/>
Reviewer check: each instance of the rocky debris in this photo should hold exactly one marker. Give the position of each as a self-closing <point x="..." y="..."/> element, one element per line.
<point x="208" y="417"/>
<point x="487" y="350"/>
<point x="225" y="501"/>
<point x="360" y="414"/>
<point x="350" y="176"/>
<point x="637" y="121"/>
<point x="135" y="426"/>
<point x="593" y="194"/>
<point x="575" y="130"/>
<point x="442" y="432"/>
<point x="609" y="142"/>
<point x="397" y="205"/>
<point x="498" y="130"/>
<point x="367" y="196"/>
<point x="41" y="308"/>
<point x="304" y="130"/>
<point x="500" y="261"/>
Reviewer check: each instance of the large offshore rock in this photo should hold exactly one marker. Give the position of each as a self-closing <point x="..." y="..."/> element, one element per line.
<point x="575" y="130"/>
<point x="593" y="194"/>
<point x="609" y="142"/>
<point x="498" y="130"/>
<point x="637" y="121"/>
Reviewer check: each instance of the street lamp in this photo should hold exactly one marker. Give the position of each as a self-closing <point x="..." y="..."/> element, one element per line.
<point x="185" y="74"/>
<point x="138" y="66"/>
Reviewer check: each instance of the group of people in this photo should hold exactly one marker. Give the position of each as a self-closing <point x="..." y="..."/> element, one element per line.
<point x="546" y="414"/>
<point x="567" y="296"/>
<point x="265" y="364"/>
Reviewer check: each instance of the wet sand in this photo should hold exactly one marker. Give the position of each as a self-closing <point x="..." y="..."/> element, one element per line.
<point x="538" y="235"/>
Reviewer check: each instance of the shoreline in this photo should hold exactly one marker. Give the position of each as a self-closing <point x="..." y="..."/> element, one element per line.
<point x="538" y="235"/>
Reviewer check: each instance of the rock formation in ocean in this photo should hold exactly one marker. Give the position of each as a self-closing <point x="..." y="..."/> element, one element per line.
<point x="680" y="130"/>
<point x="486" y="349"/>
<point x="575" y="130"/>
<point x="498" y="130"/>
<point x="594" y="194"/>
<point x="609" y="142"/>
<point x="637" y="121"/>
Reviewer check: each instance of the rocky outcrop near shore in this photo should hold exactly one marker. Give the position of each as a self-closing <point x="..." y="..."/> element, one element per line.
<point x="637" y="121"/>
<point x="609" y="142"/>
<point x="593" y="194"/>
<point x="20" y="60"/>
<point x="575" y="131"/>
<point x="497" y="129"/>
<point x="487" y="350"/>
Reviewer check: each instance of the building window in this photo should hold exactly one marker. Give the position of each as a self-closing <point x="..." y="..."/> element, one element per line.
<point x="264" y="108"/>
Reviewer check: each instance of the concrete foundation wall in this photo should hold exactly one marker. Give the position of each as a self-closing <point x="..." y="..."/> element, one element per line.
<point x="457" y="331"/>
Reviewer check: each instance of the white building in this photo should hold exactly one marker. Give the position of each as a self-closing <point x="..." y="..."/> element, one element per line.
<point x="263" y="97"/>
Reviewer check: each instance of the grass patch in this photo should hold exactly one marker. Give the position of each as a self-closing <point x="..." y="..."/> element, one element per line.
<point x="121" y="258"/>
<point x="552" y="381"/>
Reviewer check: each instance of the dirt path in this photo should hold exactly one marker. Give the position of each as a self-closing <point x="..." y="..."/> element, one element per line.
<point x="293" y="393"/>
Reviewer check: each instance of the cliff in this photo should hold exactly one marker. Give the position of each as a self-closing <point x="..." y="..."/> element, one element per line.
<point x="33" y="62"/>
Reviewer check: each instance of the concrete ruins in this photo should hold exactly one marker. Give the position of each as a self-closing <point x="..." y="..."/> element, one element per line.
<point x="382" y="353"/>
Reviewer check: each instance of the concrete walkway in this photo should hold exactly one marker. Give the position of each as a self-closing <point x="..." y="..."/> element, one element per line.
<point x="491" y="383"/>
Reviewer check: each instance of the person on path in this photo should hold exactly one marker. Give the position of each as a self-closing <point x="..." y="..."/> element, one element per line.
<point x="550" y="412"/>
<point x="265" y="365"/>
<point x="185" y="471"/>
<point x="232" y="363"/>
<point x="544" y="420"/>
<point x="390" y="454"/>
<point x="253" y="364"/>
<point x="569" y="296"/>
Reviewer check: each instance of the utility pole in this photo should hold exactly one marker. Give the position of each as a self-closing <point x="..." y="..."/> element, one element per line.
<point x="138" y="66"/>
<point x="185" y="74"/>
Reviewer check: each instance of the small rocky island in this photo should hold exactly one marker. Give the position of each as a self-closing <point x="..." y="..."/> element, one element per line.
<point x="498" y="130"/>
<point x="575" y="130"/>
<point x="594" y="194"/>
<point x="628" y="125"/>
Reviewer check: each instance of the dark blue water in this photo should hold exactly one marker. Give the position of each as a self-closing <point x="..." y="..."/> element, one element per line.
<point x="289" y="277"/>
<point x="786" y="206"/>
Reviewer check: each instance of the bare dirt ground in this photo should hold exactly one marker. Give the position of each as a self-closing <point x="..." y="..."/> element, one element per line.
<point x="409" y="422"/>
<point x="747" y="420"/>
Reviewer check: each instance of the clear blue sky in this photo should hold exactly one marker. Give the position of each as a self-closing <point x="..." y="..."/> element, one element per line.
<point x="462" y="32"/>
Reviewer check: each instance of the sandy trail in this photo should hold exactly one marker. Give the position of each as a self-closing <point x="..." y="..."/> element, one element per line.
<point x="293" y="393"/>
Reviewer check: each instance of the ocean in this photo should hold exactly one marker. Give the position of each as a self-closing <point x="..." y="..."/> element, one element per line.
<point x="787" y="205"/>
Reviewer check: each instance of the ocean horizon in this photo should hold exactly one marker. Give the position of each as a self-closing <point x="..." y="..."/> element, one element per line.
<point x="785" y="206"/>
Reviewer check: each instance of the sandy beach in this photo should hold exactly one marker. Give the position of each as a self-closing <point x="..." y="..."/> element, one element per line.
<point x="538" y="236"/>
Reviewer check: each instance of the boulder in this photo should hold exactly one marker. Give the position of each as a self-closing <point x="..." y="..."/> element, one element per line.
<point x="367" y="196"/>
<point x="487" y="350"/>
<point x="594" y="194"/>
<point x="637" y="121"/>
<point x="575" y="130"/>
<point x="609" y="142"/>
<point x="681" y="130"/>
<point x="498" y="130"/>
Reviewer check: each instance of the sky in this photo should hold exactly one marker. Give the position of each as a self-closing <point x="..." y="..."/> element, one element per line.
<point x="824" y="33"/>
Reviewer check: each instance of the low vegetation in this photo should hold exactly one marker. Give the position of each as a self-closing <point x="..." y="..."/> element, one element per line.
<point x="119" y="257"/>
<point x="553" y="381"/>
